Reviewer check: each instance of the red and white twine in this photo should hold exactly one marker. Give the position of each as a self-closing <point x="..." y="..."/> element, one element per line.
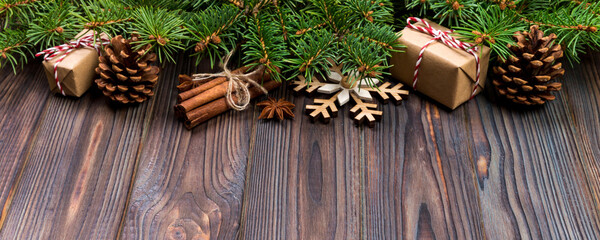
<point x="87" y="41"/>
<point x="445" y="38"/>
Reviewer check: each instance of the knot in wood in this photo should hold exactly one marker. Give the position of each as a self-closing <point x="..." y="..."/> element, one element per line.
<point x="176" y="233"/>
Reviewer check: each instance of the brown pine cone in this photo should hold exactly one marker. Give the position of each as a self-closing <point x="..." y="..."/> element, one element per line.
<point x="125" y="74"/>
<point x="526" y="77"/>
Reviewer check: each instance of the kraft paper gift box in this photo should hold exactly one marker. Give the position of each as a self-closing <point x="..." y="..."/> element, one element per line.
<point x="446" y="75"/>
<point x="76" y="72"/>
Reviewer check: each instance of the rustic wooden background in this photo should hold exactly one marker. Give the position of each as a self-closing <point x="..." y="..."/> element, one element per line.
<point x="82" y="169"/>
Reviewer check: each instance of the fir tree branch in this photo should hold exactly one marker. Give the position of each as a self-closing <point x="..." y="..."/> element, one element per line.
<point x="363" y="58"/>
<point x="311" y="53"/>
<point x="8" y="6"/>
<point x="108" y="16"/>
<point x="304" y="30"/>
<point x="281" y="21"/>
<point x="380" y="34"/>
<point x="375" y="11"/>
<point x="491" y="26"/>
<point x="54" y="25"/>
<point x="587" y="6"/>
<point x="15" y="12"/>
<point x="237" y="3"/>
<point x="9" y="48"/>
<point x="213" y="26"/>
<point x="14" y="48"/>
<point x="258" y="6"/>
<point x="579" y="27"/>
<point x="95" y="25"/>
<point x="265" y="45"/>
<point x="161" y="29"/>
<point x="329" y="11"/>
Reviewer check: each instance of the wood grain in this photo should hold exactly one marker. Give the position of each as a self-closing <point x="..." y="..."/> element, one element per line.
<point x="78" y="172"/>
<point x="22" y="99"/>
<point x="189" y="183"/>
<point x="583" y="98"/>
<point x="303" y="179"/>
<point x="536" y="186"/>
<point x="81" y="169"/>
<point x="419" y="179"/>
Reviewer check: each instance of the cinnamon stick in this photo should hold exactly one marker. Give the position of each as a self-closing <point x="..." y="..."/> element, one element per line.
<point x="200" y="89"/>
<point x="203" y="98"/>
<point x="214" y="108"/>
<point x="208" y="94"/>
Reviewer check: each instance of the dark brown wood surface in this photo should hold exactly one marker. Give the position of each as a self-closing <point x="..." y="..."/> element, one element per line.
<point x="83" y="169"/>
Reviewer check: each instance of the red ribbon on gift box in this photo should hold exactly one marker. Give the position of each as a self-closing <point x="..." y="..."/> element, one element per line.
<point x="445" y="38"/>
<point x="87" y="41"/>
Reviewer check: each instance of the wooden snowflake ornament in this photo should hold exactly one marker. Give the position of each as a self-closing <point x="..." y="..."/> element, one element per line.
<point x="302" y="84"/>
<point x="345" y="87"/>
<point x="365" y="112"/>
<point x="324" y="109"/>
<point x="395" y="92"/>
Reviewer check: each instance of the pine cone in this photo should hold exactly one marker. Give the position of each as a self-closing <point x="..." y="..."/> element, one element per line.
<point x="125" y="74"/>
<point x="526" y="76"/>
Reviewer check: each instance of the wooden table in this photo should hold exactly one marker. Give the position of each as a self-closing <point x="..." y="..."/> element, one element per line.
<point x="82" y="169"/>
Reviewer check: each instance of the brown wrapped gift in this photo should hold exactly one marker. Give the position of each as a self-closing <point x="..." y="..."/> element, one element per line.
<point x="76" y="71"/>
<point x="447" y="74"/>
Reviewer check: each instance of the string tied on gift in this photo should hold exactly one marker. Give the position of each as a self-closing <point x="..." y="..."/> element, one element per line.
<point x="65" y="49"/>
<point x="238" y="84"/>
<point x="445" y="38"/>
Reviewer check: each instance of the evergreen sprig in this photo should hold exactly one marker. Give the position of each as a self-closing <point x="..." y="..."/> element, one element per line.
<point x="17" y="11"/>
<point x="493" y="27"/>
<point x="363" y="58"/>
<point x="214" y="31"/>
<point x="575" y="24"/>
<point x="360" y="38"/>
<point x="53" y="25"/>
<point x="311" y="54"/>
<point x="265" y="45"/>
<point x="452" y="12"/>
<point x="110" y="17"/>
<point x="14" y="48"/>
<point x="161" y="29"/>
<point x="492" y="22"/>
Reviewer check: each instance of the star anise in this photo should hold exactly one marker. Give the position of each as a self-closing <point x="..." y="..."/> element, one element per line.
<point x="281" y="108"/>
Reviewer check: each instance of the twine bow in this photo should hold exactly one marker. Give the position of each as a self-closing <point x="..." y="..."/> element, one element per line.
<point x="238" y="83"/>
<point x="87" y="41"/>
<point x="445" y="38"/>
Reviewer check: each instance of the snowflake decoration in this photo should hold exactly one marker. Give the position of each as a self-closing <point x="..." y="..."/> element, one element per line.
<point x="363" y="111"/>
<point x="344" y="96"/>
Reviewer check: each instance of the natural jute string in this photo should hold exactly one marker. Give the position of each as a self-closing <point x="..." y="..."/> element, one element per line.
<point x="238" y="83"/>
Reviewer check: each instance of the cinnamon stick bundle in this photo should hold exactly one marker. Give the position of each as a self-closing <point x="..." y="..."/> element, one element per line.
<point x="189" y="88"/>
<point x="207" y="100"/>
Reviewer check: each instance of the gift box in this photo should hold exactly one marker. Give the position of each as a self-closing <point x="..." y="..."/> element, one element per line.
<point x="446" y="74"/>
<point x="76" y="71"/>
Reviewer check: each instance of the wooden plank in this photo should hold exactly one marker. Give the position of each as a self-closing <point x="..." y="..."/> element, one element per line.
<point x="78" y="172"/>
<point x="303" y="179"/>
<point x="22" y="99"/>
<point x="532" y="168"/>
<point x="419" y="175"/>
<point x="189" y="183"/>
<point x="584" y="100"/>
